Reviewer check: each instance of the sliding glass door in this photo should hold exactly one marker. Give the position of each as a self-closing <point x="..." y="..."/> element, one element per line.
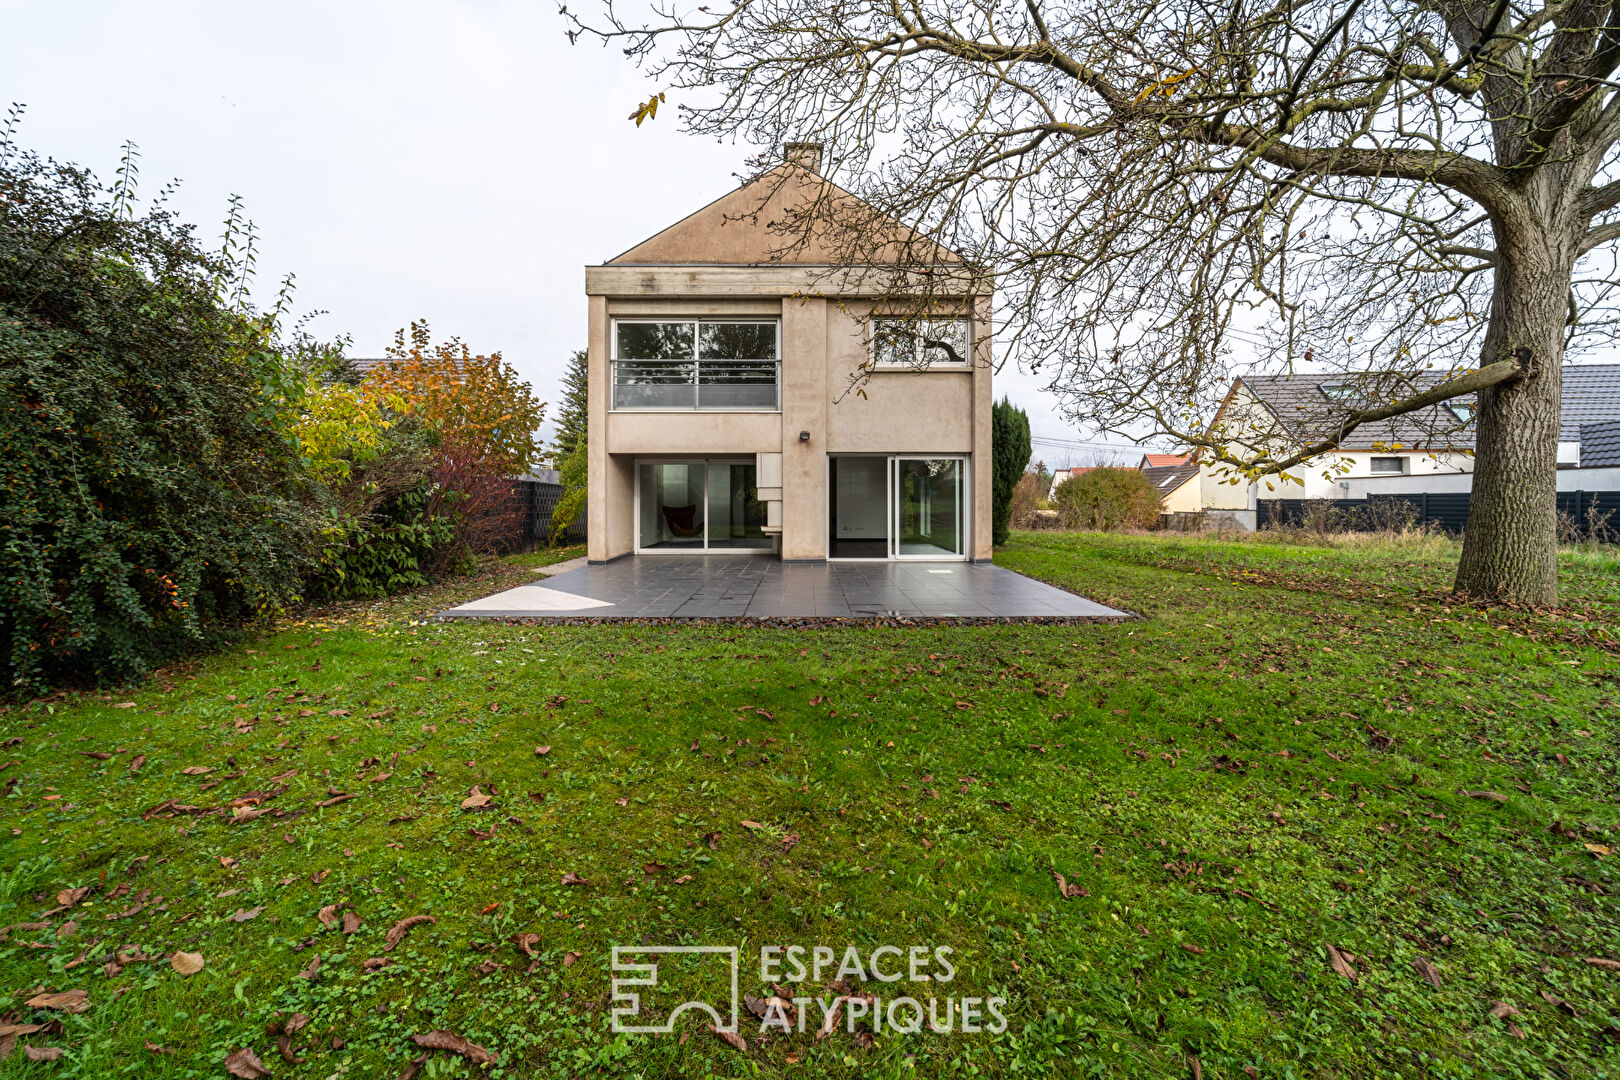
<point x="891" y="507"/>
<point x="928" y="508"/>
<point x="699" y="506"/>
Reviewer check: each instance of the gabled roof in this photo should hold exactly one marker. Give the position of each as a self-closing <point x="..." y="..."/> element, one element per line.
<point x="1160" y="461"/>
<point x="1167" y="478"/>
<point x="1306" y="412"/>
<point x="1306" y="409"/>
<point x="749" y="226"/>
<point x="1600" y="445"/>
<point x="1591" y="393"/>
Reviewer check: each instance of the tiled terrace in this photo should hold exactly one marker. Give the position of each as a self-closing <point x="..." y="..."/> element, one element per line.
<point x="717" y="587"/>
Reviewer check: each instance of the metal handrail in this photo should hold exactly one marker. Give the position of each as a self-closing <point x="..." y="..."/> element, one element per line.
<point x="696" y="384"/>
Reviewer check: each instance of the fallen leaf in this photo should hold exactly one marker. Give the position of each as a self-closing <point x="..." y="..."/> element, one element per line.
<point x="455" y="1044"/>
<point x="1559" y="1003"/>
<point x="244" y="915"/>
<point x="196" y="770"/>
<point x="1490" y="795"/>
<point x="570" y="959"/>
<point x="69" y="897"/>
<point x="1192" y="948"/>
<point x="541" y="751"/>
<point x="571" y="878"/>
<point x="730" y="1038"/>
<point x="351" y="921"/>
<point x="683" y="879"/>
<point x="187" y="963"/>
<point x="69" y="1001"/>
<point x="1502" y="1010"/>
<point x="1339" y="963"/>
<point x="156" y="1049"/>
<point x="527" y="942"/>
<point x="328" y="915"/>
<point x="713" y="840"/>
<point x="246" y="1065"/>
<point x="10" y="1030"/>
<point x="475" y="800"/>
<point x="1196" y="1066"/>
<point x="752" y="825"/>
<point x="42" y="1053"/>
<point x="284" y="1046"/>
<point x="1427" y="970"/>
<point x="1602" y="962"/>
<point x="1069" y="891"/>
<point x="313" y="969"/>
<point x="396" y="933"/>
<point x="376" y="963"/>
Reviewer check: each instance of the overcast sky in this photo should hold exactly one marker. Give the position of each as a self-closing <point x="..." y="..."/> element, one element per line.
<point x="455" y="162"/>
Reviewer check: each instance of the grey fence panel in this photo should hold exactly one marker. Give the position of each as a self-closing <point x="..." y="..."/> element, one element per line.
<point x="539" y="498"/>
<point x="1588" y="511"/>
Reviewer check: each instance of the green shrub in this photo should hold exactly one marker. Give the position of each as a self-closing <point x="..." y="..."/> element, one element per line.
<point x="1103" y="499"/>
<point x="1009" y="456"/>
<point x="150" y="499"/>
<point x="384" y="552"/>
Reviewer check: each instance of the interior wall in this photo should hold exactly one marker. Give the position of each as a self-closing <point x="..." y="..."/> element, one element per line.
<point x="861" y="498"/>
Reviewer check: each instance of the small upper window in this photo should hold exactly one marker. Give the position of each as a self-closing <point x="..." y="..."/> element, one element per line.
<point x="1388" y="465"/>
<point x="920" y="343"/>
<point x="1462" y="410"/>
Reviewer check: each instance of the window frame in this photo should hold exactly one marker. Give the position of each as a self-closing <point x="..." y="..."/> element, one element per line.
<point x="697" y="323"/>
<point x="916" y="363"/>
<point x="1398" y="459"/>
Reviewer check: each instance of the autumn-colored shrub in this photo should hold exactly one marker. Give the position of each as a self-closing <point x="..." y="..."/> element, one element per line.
<point x="487" y="422"/>
<point x="1026" y="500"/>
<point x="1104" y="499"/>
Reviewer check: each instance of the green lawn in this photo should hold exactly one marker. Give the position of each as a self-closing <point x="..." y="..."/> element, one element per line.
<point x="1295" y="748"/>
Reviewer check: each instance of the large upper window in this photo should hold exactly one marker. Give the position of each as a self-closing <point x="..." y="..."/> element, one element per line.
<point x="921" y="343"/>
<point x="696" y="364"/>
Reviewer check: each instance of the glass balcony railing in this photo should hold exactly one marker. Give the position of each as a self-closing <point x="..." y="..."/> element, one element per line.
<point x="696" y="384"/>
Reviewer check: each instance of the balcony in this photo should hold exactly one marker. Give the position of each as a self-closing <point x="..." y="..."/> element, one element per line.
<point x="697" y="384"/>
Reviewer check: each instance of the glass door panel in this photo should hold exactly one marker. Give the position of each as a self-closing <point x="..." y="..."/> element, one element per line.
<point x="672" y="505"/>
<point x="736" y="516"/>
<point x="928" y="507"/>
<point x="859" y="508"/>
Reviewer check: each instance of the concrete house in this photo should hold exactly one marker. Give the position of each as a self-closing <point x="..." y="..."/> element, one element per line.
<point x="721" y="415"/>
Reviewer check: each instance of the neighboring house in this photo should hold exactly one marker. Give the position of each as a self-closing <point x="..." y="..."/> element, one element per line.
<point x="721" y="419"/>
<point x="1284" y="412"/>
<point x="1063" y="476"/>
<point x="1163" y="461"/>
<point x="1591" y="400"/>
<point x="1179" y="487"/>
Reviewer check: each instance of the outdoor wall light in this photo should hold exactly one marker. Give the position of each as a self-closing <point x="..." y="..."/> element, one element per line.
<point x="804" y="436"/>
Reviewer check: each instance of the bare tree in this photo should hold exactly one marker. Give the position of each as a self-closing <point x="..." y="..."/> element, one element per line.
<point x="1415" y="197"/>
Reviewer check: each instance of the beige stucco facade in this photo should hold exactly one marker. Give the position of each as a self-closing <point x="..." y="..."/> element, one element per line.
<point x="717" y="264"/>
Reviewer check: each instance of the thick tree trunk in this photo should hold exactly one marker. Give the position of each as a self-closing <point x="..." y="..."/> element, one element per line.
<point x="1510" y="549"/>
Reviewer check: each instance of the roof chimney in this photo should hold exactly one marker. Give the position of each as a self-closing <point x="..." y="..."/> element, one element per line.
<point x="806" y="155"/>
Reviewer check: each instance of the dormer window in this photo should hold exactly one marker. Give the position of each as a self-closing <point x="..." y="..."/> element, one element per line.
<point x="1341" y="393"/>
<point x="1462" y="410"/>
